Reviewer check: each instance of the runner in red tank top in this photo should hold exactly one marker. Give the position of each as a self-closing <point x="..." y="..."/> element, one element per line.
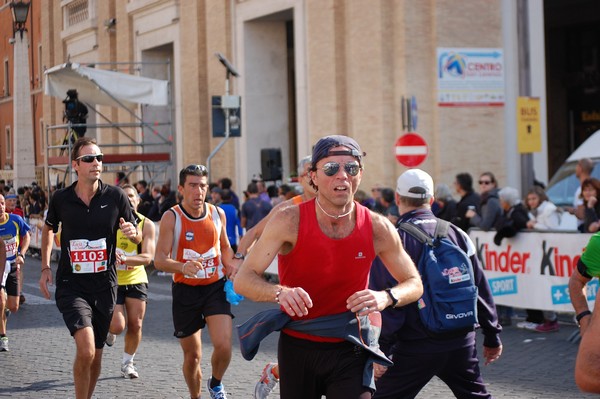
<point x="325" y="249"/>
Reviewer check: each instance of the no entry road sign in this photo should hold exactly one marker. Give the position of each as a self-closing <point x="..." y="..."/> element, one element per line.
<point x="411" y="149"/>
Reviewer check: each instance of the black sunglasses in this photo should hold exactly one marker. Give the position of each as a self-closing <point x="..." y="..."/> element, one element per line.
<point x="197" y="169"/>
<point x="486" y="182"/>
<point x="90" y="158"/>
<point x="331" y="168"/>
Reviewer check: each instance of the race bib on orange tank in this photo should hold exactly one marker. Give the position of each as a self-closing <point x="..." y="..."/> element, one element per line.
<point x="88" y="256"/>
<point x="210" y="261"/>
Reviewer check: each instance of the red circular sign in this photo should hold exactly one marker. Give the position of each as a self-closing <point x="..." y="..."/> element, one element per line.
<point x="411" y="149"/>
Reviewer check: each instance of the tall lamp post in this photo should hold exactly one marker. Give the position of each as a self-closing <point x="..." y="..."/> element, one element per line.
<point x="20" y="10"/>
<point x="23" y="153"/>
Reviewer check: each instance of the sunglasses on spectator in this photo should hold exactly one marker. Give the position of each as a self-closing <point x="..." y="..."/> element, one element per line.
<point x="90" y="158"/>
<point x="197" y="168"/>
<point x="486" y="182"/>
<point x="332" y="168"/>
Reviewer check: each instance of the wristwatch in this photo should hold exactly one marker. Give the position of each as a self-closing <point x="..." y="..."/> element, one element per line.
<point x="239" y="255"/>
<point x="581" y="316"/>
<point x="392" y="297"/>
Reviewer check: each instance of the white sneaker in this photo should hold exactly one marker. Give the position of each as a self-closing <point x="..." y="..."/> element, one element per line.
<point x="527" y="325"/>
<point x="267" y="382"/>
<point x="217" y="392"/>
<point x="129" y="371"/>
<point x="110" y="339"/>
<point x="4" y="344"/>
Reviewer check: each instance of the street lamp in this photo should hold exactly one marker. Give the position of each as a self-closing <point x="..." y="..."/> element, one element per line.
<point x="19" y="9"/>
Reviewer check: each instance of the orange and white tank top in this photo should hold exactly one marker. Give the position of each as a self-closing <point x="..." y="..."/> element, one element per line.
<point x="198" y="239"/>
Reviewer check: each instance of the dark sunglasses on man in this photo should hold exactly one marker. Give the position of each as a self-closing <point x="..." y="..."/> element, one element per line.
<point x="332" y="168"/>
<point x="197" y="169"/>
<point x="90" y="158"/>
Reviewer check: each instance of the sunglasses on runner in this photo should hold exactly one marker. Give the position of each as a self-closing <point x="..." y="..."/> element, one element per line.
<point x="331" y="168"/>
<point x="90" y="158"/>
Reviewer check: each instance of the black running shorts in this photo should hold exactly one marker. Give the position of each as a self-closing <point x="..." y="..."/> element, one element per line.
<point x="135" y="291"/>
<point x="81" y="310"/>
<point x="12" y="282"/>
<point x="192" y="304"/>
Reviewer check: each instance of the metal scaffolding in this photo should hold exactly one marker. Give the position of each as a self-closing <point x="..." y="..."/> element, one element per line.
<point x="142" y="146"/>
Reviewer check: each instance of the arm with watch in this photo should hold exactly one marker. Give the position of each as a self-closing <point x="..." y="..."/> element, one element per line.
<point x="577" y="292"/>
<point x="25" y="239"/>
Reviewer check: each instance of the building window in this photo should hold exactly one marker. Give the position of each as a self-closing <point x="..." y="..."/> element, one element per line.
<point x="40" y="68"/>
<point x="75" y="12"/>
<point x="6" y="88"/>
<point x="8" y="143"/>
<point x="41" y="140"/>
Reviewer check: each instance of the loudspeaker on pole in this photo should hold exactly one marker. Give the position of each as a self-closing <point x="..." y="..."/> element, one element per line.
<point x="270" y="162"/>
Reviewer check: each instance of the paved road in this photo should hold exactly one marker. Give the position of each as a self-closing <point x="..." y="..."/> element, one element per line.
<point x="41" y="352"/>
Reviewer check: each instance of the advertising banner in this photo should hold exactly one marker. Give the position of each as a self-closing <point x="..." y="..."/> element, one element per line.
<point x="532" y="269"/>
<point x="470" y="77"/>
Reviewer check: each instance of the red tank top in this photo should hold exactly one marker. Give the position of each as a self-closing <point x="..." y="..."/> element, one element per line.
<point x="329" y="270"/>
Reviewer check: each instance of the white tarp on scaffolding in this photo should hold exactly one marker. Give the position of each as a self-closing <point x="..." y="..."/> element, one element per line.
<point x="97" y="86"/>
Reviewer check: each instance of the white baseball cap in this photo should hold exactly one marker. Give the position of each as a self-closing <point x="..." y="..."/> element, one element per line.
<point x="415" y="183"/>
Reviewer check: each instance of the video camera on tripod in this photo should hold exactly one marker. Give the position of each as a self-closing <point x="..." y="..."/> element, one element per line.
<point x="75" y="113"/>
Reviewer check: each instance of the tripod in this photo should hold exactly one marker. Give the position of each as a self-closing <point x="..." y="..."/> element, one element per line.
<point x="71" y="135"/>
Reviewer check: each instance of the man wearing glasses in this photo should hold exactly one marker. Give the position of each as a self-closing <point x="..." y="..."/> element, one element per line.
<point x="193" y="245"/>
<point x="326" y="247"/>
<point x="89" y="213"/>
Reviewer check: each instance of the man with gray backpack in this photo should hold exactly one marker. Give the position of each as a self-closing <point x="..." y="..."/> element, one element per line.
<point x="436" y="335"/>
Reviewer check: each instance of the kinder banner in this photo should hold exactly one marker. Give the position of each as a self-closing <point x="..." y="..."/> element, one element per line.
<point x="532" y="269"/>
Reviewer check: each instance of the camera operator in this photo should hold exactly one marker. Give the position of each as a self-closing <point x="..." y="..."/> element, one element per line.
<point x="76" y="112"/>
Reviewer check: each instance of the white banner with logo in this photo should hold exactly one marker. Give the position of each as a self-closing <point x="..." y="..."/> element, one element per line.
<point x="532" y="269"/>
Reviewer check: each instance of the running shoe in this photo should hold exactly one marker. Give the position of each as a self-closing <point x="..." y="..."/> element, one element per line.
<point x="267" y="382"/>
<point x="110" y="339"/>
<point x="217" y="392"/>
<point x="128" y="370"/>
<point x="527" y="325"/>
<point x="4" y="344"/>
<point x="548" y="326"/>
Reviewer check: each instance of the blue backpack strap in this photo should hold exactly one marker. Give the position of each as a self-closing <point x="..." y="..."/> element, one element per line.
<point x="416" y="232"/>
<point x="441" y="228"/>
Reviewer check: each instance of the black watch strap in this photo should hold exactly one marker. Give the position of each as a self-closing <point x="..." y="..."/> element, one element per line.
<point x="582" y="315"/>
<point x="392" y="297"/>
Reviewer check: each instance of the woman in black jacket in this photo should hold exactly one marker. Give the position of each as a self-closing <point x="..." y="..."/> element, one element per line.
<point x="515" y="216"/>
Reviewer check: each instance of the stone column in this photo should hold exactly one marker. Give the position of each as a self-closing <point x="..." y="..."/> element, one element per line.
<point x="24" y="149"/>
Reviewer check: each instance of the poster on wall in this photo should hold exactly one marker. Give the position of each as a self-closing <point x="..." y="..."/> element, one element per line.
<point x="470" y="77"/>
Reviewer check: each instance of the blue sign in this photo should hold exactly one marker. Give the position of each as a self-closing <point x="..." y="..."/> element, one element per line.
<point x="503" y="285"/>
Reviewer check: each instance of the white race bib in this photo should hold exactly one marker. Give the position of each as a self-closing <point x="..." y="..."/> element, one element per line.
<point x="88" y="256"/>
<point x="209" y="260"/>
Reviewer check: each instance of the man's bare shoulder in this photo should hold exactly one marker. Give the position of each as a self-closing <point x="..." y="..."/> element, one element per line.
<point x="284" y="204"/>
<point x="384" y="233"/>
<point x="287" y="213"/>
<point x="167" y="219"/>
